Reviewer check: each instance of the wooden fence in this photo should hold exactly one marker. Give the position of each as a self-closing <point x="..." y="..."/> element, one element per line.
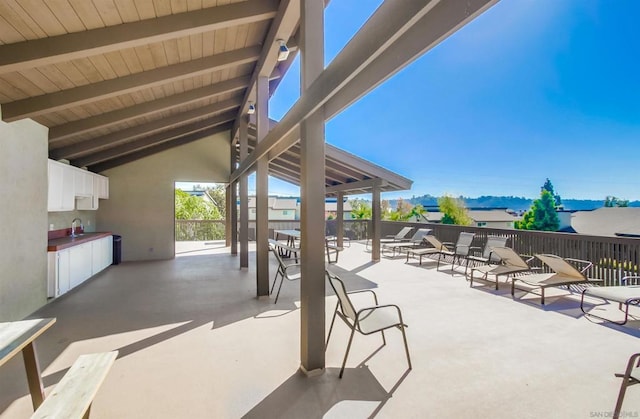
<point x="612" y="257"/>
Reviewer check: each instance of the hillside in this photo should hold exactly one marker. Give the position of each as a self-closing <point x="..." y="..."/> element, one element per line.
<point x="512" y="202"/>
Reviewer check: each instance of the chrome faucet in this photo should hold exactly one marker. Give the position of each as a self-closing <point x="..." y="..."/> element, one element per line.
<point x="73" y="231"/>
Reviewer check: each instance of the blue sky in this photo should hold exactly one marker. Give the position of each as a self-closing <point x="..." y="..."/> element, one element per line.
<point x="528" y="90"/>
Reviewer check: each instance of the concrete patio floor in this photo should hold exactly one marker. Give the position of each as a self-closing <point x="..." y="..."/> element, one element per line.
<point x="194" y="342"/>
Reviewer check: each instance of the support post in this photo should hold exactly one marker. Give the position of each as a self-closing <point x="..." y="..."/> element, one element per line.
<point x="376" y="224"/>
<point x="227" y="219"/>
<point x="262" y="190"/>
<point x="340" y="219"/>
<point x="312" y="222"/>
<point x="232" y="215"/>
<point x="244" y="195"/>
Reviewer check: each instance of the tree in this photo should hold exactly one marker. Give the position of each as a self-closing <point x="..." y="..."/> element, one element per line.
<point x="417" y="212"/>
<point x="612" y="201"/>
<point x="542" y="216"/>
<point x="453" y="211"/>
<point x="402" y="211"/>
<point x="360" y="209"/>
<point x="218" y="195"/>
<point x="548" y="186"/>
<point x="190" y="207"/>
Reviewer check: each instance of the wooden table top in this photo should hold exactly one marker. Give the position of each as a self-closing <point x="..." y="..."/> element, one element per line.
<point x="16" y="335"/>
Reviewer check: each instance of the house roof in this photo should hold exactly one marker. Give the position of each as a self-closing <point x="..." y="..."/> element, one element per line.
<point x="607" y="222"/>
<point x="491" y="216"/>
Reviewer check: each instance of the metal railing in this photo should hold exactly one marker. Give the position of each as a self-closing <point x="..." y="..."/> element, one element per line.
<point x="200" y="230"/>
<point x="612" y="257"/>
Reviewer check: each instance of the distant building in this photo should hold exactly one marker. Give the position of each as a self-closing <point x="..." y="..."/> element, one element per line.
<point x="624" y="222"/>
<point x="482" y="217"/>
<point x="331" y="209"/>
<point x="288" y="208"/>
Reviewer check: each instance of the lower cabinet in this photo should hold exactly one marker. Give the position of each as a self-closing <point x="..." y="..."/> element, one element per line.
<point x="70" y="267"/>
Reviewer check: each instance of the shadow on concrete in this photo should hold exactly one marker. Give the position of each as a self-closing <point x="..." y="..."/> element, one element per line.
<point x="358" y="393"/>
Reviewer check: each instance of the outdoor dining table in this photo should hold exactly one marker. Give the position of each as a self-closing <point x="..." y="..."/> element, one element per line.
<point x="19" y="336"/>
<point x="292" y="236"/>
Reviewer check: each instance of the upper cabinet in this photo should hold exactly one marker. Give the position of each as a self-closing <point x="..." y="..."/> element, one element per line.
<point x="101" y="186"/>
<point x="83" y="182"/>
<point x="72" y="188"/>
<point x="61" y="187"/>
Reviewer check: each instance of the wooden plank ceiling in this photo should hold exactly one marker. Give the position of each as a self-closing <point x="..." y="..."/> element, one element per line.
<point x="117" y="80"/>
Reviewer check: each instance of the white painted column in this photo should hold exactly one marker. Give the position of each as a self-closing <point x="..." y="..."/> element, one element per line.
<point x="312" y="188"/>
<point x="262" y="191"/>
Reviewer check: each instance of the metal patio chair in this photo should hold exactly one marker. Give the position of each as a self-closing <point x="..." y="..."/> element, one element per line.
<point x="290" y="272"/>
<point x="365" y="320"/>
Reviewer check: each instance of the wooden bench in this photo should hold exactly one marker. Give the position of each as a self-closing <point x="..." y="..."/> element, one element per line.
<point x="73" y="395"/>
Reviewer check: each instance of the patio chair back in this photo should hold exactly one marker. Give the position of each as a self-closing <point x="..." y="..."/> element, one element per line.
<point x="420" y="235"/>
<point x="561" y="266"/>
<point x="509" y="257"/>
<point x="436" y="243"/>
<point x="493" y="241"/>
<point x="402" y="233"/>
<point x="345" y="303"/>
<point x="463" y="245"/>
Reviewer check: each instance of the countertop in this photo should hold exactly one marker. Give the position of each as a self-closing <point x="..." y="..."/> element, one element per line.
<point x="65" y="242"/>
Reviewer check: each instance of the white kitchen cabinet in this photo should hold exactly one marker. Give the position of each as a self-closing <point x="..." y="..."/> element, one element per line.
<point x="61" y="187"/>
<point x="70" y="267"/>
<point x="73" y="188"/>
<point x="101" y="254"/>
<point x="59" y="273"/>
<point x="87" y="202"/>
<point x="80" y="257"/>
<point x="101" y="186"/>
<point x="83" y="182"/>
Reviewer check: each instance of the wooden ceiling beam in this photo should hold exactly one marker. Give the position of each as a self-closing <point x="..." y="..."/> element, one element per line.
<point x="39" y="52"/>
<point x="128" y="158"/>
<point x="283" y="27"/>
<point x="151" y="140"/>
<point x="113" y="138"/>
<point x="43" y="104"/>
<point x="81" y="126"/>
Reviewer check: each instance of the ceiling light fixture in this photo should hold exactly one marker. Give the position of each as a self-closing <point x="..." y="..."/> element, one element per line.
<point x="283" y="51"/>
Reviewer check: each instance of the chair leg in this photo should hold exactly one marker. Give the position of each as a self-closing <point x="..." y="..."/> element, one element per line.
<point x="384" y="340"/>
<point x="406" y="346"/>
<point x="626" y="381"/>
<point x="279" y="288"/>
<point x="275" y="279"/>
<point x="541" y="296"/>
<point x="335" y="313"/>
<point x="344" y="362"/>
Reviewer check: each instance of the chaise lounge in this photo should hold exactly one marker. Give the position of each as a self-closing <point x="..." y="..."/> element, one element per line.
<point x="510" y="263"/>
<point x="564" y="273"/>
<point x="627" y="295"/>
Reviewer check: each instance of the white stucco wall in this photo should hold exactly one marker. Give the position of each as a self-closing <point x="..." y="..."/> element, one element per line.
<point x="141" y="204"/>
<point x="23" y="187"/>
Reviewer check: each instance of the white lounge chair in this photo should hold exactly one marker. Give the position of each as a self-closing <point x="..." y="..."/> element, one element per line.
<point x="564" y="273"/>
<point x="627" y="295"/>
<point x="509" y="263"/>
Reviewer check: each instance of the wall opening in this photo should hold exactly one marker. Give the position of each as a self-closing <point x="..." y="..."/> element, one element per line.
<point x="200" y="214"/>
